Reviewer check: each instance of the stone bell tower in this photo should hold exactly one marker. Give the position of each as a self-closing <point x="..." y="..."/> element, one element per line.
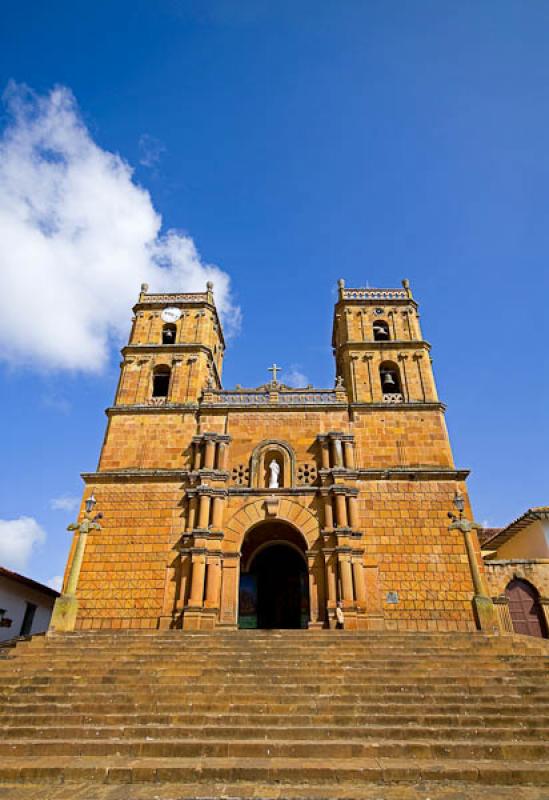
<point x="175" y="351"/>
<point x="379" y="348"/>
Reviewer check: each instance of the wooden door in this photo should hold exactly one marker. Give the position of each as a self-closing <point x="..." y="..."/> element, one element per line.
<point x="524" y="608"/>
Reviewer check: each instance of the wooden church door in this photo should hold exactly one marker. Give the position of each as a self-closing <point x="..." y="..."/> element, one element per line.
<point x="524" y="608"/>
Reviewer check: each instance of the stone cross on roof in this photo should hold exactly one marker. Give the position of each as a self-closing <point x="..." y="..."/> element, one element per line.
<point x="274" y="369"/>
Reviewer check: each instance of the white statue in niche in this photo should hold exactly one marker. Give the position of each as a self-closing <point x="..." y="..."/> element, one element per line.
<point x="274" y="474"/>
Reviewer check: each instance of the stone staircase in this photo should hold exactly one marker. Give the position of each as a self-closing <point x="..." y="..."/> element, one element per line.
<point x="327" y="714"/>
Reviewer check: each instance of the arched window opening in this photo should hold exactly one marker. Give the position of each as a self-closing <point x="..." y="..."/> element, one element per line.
<point x="525" y="608"/>
<point x="168" y="334"/>
<point x="390" y="380"/>
<point x="161" y="382"/>
<point x="381" y="331"/>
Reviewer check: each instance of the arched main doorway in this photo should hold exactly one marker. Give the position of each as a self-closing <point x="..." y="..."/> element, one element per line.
<point x="525" y="608"/>
<point x="274" y="584"/>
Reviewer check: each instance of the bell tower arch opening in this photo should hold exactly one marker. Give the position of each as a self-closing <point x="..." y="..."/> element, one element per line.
<point x="274" y="583"/>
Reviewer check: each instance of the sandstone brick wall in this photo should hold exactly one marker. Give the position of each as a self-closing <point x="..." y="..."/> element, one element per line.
<point x="124" y="571"/>
<point x="158" y="440"/>
<point x="499" y="573"/>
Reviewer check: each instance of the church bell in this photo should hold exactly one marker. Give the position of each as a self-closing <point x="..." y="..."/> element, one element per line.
<point x="388" y="379"/>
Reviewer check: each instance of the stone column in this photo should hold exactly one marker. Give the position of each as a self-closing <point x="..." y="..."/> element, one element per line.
<point x="346" y="579"/>
<point x="191" y="515"/>
<point x="325" y="454"/>
<point x="341" y="510"/>
<point x="352" y="506"/>
<point x="176" y="376"/>
<point x="337" y="452"/>
<point x="229" y="590"/>
<point x="349" y="453"/>
<point x="65" y="609"/>
<point x="222" y="455"/>
<point x="482" y="602"/>
<point x="313" y="589"/>
<point x="197" y="445"/>
<point x="331" y="579"/>
<point x="213" y="582"/>
<point x="184" y="586"/>
<point x="76" y="564"/>
<point x="204" y="511"/>
<point x="360" y="587"/>
<point x="328" y="512"/>
<point x="209" y="459"/>
<point x="368" y="359"/>
<point x="217" y="514"/>
<point x="196" y="598"/>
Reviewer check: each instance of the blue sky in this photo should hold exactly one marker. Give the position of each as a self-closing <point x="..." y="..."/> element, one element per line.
<point x="293" y="144"/>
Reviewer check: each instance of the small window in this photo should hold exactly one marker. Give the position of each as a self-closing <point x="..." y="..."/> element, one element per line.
<point x="28" y="619"/>
<point x="161" y="382"/>
<point x="381" y="331"/>
<point x="168" y="334"/>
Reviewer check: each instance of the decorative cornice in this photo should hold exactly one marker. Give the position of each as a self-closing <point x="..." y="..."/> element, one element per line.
<point x="414" y="473"/>
<point x="177" y="347"/>
<point x="280" y="405"/>
<point x="411" y="405"/>
<point x="386" y="344"/>
<point x="146" y="408"/>
<point x="186" y="475"/>
<point x="281" y="492"/>
<point x="134" y="474"/>
<point x="212" y="437"/>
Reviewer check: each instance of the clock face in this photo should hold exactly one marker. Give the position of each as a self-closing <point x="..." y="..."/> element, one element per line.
<point x="171" y="314"/>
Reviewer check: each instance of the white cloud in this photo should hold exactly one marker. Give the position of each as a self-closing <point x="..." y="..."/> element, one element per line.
<point x="150" y="150"/>
<point x="294" y="377"/>
<point x="18" y="537"/>
<point x="77" y="238"/>
<point x="65" y="503"/>
<point x="56" y="582"/>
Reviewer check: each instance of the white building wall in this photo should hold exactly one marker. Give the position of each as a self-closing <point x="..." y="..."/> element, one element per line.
<point x="14" y="597"/>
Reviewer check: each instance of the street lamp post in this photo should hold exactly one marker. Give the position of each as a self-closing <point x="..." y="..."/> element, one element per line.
<point x="66" y="606"/>
<point x="482" y="602"/>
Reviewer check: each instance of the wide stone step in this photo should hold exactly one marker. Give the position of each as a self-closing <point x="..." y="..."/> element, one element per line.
<point x="315" y="772"/>
<point x="354" y="673"/>
<point x="491" y="721"/>
<point x="254" y="748"/>
<point x="245" y="791"/>
<point x="326" y="704"/>
<point x="280" y="694"/>
<point x="313" y="731"/>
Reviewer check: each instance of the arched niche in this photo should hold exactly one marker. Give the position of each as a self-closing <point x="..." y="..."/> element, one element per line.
<point x="264" y="453"/>
<point x="161" y="377"/>
<point x="389" y="375"/>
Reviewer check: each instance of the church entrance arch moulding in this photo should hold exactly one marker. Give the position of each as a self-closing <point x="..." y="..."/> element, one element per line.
<point x="287" y="543"/>
<point x="273" y="591"/>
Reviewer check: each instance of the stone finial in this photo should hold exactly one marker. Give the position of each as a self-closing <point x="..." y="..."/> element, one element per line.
<point x="209" y="286"/>
<point x="341" y="283"/>
<point x="339" y="382"/>
<point x="144" y="289"/>
<point x="406" y="285"/>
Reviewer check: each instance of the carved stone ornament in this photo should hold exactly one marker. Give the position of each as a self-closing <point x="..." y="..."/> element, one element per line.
<point x="271" y="506"/>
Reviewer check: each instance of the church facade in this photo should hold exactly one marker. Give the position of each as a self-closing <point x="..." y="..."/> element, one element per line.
<point x="271" y="507"/>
